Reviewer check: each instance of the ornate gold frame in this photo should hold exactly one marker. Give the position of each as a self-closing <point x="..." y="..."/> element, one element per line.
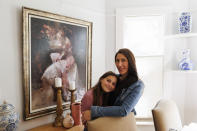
<point x="27" y="14"/>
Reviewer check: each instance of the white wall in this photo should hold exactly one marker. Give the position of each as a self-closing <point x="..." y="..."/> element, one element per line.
<point x="192" y="4"/>
<point x="191" y="90"/>
<point x="11" y="44"/>
<point x="190" y="97"/>
<point x="192" y="42"/>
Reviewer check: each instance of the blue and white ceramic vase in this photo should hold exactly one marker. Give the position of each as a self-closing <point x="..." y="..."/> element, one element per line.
<point x="9" y="118"/>
<point x="185" y="62"/>
<point x="185" y="22"/>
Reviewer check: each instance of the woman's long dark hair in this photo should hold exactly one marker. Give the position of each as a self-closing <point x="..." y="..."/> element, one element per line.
<point x="132" y="75"/>
<point x="100" y="98"/>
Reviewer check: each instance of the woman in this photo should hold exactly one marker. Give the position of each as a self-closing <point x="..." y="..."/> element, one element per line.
<point x="99" y="94"/>
<point x="129" y="89"/>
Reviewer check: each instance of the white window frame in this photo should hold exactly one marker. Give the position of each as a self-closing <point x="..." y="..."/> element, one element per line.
<point x="144" y="11"/>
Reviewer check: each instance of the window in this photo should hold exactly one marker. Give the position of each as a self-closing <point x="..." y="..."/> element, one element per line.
<point x="142" y="30"/>
<point x="143" y="35"/>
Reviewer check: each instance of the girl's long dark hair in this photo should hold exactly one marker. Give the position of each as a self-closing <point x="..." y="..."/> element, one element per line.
<point x="100" y="98"/>
<point x="132" y="75"/>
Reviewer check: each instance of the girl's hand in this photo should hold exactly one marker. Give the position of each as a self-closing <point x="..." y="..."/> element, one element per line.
<point x="86" y="115"/>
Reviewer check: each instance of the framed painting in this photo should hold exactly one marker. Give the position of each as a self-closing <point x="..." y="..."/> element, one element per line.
<point x="54" y="46"/>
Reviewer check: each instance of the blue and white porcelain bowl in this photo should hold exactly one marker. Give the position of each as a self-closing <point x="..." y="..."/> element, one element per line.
<point x="9" y="118"/>
<point x="185" y="22"/>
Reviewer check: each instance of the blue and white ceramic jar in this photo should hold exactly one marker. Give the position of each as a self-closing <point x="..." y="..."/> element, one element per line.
<point x="9" y="118"/>
<point x="185" y="22"/>
<point x="185" y="62"/>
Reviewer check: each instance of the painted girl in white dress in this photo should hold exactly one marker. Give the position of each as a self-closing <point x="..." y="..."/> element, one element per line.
<point x="64" y="66"/>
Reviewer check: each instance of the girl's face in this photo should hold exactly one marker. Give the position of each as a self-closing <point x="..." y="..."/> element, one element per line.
<point x="108" y="83"/>
<point x="122" y="64"/>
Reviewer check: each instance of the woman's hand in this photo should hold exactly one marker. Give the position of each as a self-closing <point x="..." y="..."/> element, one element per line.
<point x="86" y="115"/>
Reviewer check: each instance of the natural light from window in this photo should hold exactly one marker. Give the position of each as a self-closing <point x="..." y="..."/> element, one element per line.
<point x="143" y="35"/>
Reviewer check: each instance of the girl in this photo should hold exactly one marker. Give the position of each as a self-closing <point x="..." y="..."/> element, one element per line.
<point x="99" y="94"/>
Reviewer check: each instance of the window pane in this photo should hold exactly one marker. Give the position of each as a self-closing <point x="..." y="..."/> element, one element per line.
<point x="150" y="71"/>
<point x="143" y="35"/>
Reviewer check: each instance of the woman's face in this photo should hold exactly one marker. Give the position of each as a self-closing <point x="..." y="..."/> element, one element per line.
<point x="108" y="83"/>
<point x="122" y="64"/>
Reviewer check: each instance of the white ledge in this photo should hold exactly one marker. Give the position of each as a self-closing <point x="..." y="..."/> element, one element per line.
<point x="181" y="35"/>
<point x="144" y="123"/>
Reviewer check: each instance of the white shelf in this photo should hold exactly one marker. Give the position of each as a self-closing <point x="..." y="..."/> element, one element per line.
<point x="182" y="71"/>
<point x="181" y="35"/>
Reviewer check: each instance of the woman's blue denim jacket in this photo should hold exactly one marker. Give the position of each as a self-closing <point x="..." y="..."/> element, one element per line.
<point x="123" y="105"/>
